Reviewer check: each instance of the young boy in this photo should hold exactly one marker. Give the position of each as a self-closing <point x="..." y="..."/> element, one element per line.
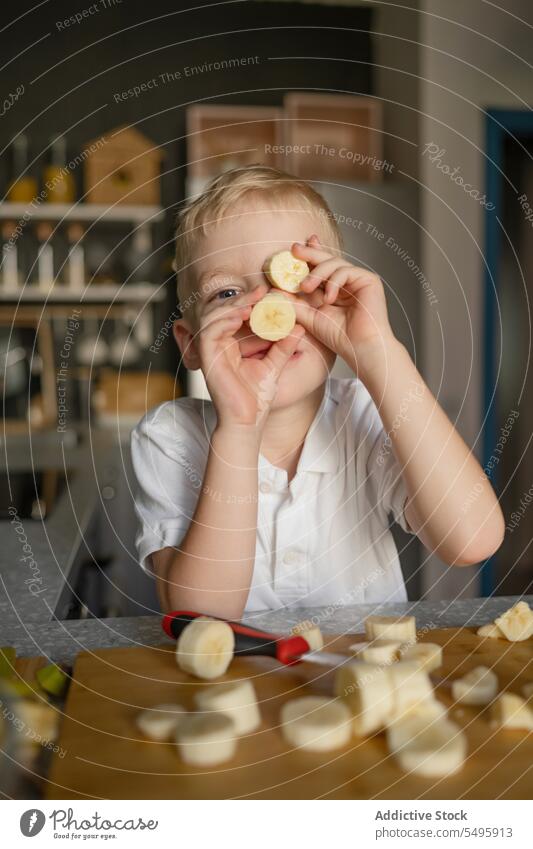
<point x="279" y="491"/>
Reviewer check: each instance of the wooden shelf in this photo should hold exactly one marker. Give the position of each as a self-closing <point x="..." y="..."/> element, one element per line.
<point x="96" y="293"/>
<point x="81" y="212"/>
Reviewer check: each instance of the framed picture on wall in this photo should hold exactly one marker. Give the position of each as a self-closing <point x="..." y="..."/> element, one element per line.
<point x="336" y="137"/>
<point x="229" y="136"/>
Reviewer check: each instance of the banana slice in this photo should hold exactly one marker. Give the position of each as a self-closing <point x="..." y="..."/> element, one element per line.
<point x="160" y="722"/>
<point x="206" y="739"/>
<point x="410" y="686"/>
<point x="527" y="690"/>
<point x="477" y="687"/>
<point x="401" y="628"/>
<point x="205" y="648"/>
<point x="427" y="742"/>
<point x="311" y="634"/>
<point x="235" y="699"/>
<point x="286" y="272"/>
<point x="40" y="721"/>
<point x="428" y="656"/>
<point x="490" y="630"/>
<point x="516" y="623"/>
<point x="316" y="723"/>
<point x="512" y="711"/>
<point x="273" y="317"/>
<point x="382" y="652"/>
<point x="367" y="690"/>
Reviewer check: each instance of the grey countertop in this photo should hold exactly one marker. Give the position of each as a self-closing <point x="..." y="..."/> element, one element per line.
<point x="61" y="641"/>
<point x="27" y="605"/>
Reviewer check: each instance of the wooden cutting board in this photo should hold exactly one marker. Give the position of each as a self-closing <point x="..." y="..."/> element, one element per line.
<point x="106" y="757"/>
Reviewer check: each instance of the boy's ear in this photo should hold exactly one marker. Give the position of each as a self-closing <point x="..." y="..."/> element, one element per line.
<point x="185" y="342"/>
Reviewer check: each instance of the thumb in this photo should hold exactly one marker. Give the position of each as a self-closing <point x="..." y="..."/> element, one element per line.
<point x="307" y="316"/>
<point x="280" y="352"/>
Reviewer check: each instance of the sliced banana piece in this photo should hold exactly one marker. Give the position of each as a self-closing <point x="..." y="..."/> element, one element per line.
<point x="477" y="687"/>
<point x="527" y="690"/>
<point x="512" y="711"/>
<point x="206" y="739"/>
<point x="311" y="634"/>
<point x="205" y="648"/>
<point x="316" y="723"/>
<point x="286" y="272"/>
<point x="410" y="686"/>
<point x="367" y="690"/>
<point x="382" y="652"/>
<point x="490" y="630"/>
<point x="401" y="628"/>
<point x="39" y="719"/>
<point x="273" y="317"/>
<point x="516" y="624"/>
<point x="160" y="722"/>
<point x="428" y="656"/>
<point x="427" y="742"/>
<point x="236" y="699"/>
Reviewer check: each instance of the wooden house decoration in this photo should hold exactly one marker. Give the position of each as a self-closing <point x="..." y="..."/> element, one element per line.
<point x="123" y="167"/>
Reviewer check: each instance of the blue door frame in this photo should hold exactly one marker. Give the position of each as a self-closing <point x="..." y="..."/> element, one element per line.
<point x="499" y="123"/>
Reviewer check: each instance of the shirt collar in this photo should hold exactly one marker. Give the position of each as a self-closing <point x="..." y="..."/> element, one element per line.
<point x="320" y="452"/>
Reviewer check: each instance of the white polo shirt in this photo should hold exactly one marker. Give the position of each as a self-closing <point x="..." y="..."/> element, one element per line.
<point x="323" y="538"/>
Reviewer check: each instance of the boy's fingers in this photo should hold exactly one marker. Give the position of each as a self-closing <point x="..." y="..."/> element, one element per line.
<point x="212" y="321"/>
<point x="224" y="327"/>
<point x="309" y="253"/>
<point x="320" y="274"/>
<point x="248" y="299"/>
<point x="337" y="280"/>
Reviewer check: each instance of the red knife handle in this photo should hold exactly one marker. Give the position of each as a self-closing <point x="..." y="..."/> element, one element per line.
<point x="248" y="641"/>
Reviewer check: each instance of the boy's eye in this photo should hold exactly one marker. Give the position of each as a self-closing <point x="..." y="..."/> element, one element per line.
<point x="225" y="293"/>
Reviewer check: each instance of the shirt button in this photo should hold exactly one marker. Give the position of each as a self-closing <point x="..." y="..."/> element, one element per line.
<point x="265" y="487"/>
<point x="291" y="557"/>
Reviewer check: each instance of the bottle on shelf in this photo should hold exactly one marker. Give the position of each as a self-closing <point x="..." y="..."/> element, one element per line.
<point x="45" y="255"/>
<point x="76" y="257"/>
<point x="9" y="269"/>
<point x="57" y="179"/>
<point x="23" y="186"/>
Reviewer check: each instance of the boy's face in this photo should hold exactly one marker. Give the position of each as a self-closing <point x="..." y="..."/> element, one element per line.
<point x="228" y="262"/>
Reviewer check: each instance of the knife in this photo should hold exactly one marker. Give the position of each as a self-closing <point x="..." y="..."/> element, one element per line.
<point x="250" y="641"/>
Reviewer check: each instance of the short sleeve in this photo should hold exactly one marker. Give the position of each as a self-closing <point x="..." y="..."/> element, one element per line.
<point x="383" y="470"/>
<point x="169" y="455"/>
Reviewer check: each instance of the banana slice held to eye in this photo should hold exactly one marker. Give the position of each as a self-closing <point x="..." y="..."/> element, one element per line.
<point x="273" y="317"/>
<point x="285" y="272"/>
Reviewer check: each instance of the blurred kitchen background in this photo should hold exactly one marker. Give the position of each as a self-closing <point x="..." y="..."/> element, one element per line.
<point x="112" y="117"/>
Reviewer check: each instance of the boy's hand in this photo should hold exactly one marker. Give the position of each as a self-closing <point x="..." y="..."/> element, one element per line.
<point x="349" y="314"/>
<point x="242" y="388"/>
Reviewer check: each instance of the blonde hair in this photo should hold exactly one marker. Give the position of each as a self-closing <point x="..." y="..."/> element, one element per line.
<point x="229" y="188"/>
